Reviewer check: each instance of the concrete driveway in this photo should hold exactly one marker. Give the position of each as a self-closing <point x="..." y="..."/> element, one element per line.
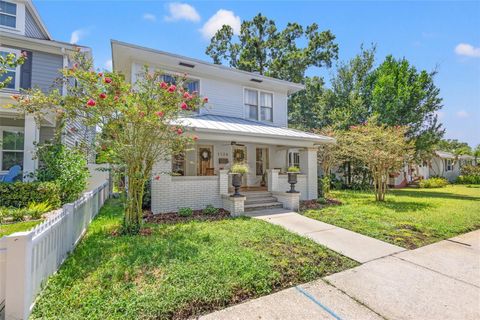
<point x="435" y="282"/>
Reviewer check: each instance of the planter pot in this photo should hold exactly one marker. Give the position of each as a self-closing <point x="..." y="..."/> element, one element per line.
<point x="237" y="183"/>
<point x="292" y="179"/>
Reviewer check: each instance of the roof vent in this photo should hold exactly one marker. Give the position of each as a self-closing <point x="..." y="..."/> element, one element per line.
<point x="256" y="80"/>
<point x="188" y="65"/>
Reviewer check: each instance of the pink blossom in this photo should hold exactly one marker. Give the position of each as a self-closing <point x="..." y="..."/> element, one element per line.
<point x="172" y="88"/>
<point x="115" y="98"/>
<point x="184" y="106"/>
<point x="102" y="95"/>
<point x="141" y="114"/>
<point x="157" y="177"/>
<point x="195" y="138"/>
<point x="205" y="100"/>
<point x="187" y="95"/>
<point x="91" y="103"/>
<point x="179" y="131"/>
<point x="163" y="85"/>
<point x="107" y="80"/>
<point x="100" y="74"/>
<point x="159" y="113"/>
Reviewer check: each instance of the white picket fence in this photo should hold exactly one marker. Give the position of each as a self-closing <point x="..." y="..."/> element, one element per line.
<point x="28" y="258"/>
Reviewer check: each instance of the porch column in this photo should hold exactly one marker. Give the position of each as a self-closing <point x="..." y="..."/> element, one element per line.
<point x="273" y="179"/>
<point x="223" y="181"/>
<point x="31" y="138"/>
<point x="310" y="170"/>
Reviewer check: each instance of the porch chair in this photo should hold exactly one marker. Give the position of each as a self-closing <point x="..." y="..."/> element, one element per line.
<point x="12" y="173"/>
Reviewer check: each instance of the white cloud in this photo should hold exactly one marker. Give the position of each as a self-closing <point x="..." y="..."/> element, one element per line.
<point x="149" y="17"/>
<point x="462" y="114"/>
<point x="465" y="49"/>
<point x="218" y="20"/>
<point x="182" y="11"/>
<point x="108" y="65"/>
<point x="77" y="35"/>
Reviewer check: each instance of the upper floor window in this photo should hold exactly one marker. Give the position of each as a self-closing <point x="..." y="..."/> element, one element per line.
<point x="8" y="14"/>
<point x="191" y="85"/>
<point x="259" y="105"/>
<point x="12" y="73"/>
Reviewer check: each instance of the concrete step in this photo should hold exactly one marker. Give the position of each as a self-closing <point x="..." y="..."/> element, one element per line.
<point x="263" y="206"/>
<point x="257" y="194"/>
<point x="256" y="200"/>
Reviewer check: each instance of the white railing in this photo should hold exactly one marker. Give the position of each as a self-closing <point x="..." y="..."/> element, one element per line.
<point x="28" y="258"/>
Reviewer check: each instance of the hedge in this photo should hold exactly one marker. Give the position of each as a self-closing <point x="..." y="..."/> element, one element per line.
<point x="435" y="182"/>
<point x="468" y="179"/>
<point x="21" y="194"/>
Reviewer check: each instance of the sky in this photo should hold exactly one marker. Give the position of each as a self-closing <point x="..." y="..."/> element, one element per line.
<point x="432" y="35"/>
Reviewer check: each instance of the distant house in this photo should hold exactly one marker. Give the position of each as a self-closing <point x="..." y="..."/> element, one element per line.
<point x="22" y="29"/>
<point x="244" y="121"/>
<point x="443" y="164"/>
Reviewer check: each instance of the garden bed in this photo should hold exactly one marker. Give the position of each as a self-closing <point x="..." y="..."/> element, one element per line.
<point x="175" y="217"/>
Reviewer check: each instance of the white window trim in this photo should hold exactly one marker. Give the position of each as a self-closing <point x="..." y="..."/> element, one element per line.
<point x="9" y="129"/>
<point x="259" y="91"/>
<point x="17" y="69"/>
<point x="448" y="163"/>
<point x="292" y="151"/>
<point x="19" y="18"/>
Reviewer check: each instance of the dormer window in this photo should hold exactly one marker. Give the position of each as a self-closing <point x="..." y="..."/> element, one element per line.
<point x="8" y="14"/>
<point x="259" y="105"/>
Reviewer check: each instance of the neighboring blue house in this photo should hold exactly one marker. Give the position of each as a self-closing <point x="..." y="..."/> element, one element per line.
<point x="21" y="29"/>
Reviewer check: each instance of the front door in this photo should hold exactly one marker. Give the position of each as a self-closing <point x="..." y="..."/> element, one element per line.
<point x="205" y="161"/>
<point x="240" y="157"/>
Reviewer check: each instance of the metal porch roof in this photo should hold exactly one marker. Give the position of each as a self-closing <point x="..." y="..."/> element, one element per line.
<point x="240" y="126"/>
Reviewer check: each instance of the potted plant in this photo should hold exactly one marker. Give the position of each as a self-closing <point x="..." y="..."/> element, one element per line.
<point x="237" y="171"/>
<point x="292" y="178"/>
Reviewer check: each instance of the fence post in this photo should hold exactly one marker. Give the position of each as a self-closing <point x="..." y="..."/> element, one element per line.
<point x="18" y="284"/>
<point x="68" y="208"/>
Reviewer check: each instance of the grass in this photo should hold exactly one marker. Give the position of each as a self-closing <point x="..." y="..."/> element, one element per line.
<point x="6" y="229"/>
<point x="180" y="270"/>
<point x="409" y="217"/>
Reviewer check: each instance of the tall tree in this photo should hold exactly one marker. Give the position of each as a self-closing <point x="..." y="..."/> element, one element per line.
<point x="262" y="48"/>
<point x="454" y="146"/>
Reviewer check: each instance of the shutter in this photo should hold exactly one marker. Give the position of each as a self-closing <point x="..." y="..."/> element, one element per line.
<point x="26" y="72"/>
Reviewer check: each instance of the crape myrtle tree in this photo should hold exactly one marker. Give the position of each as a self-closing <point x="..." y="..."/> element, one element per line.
<point x="138" y="122"/>
<point x="9" y="62"/>
<point x="383" y="149"/>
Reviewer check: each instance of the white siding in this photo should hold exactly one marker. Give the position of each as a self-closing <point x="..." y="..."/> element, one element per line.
<point x="32" y="30"/>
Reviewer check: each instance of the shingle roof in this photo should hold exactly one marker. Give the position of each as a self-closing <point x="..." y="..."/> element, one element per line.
<point x="247" y="127"/>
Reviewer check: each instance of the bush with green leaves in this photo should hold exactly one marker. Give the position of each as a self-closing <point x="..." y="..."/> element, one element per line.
<point x="67" y="167"/>
<point x="434" y="182"/>
<point x="33" y="211"/>
<point x="293" y="169"/>
<point x="468" y="179"/>
<point x="185" y="212"/>
<point x="21" y="194"/>
<point x="210" y="210"/>
<point x="239" y="168"/>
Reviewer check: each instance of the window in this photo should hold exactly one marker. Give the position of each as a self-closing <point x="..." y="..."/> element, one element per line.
<point x="8" y="14"/>
<point x="12" y="149"/>
<point x="294" y="159"/>
<point x="191" y="85"/>
<point x="259" y="105"/>
<point x="448" y="165"/>
<point x="178" y="164"/>
<point x="261" y="161"/>
<point x="11" y="72"/>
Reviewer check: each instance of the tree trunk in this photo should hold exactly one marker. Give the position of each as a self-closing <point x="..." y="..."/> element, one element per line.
<point x="133" y="207"/>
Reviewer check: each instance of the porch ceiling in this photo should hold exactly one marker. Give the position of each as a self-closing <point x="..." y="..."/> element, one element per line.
<point x="241" y="127"/>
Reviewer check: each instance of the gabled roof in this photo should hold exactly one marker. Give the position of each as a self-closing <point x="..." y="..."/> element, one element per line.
<point x="445" y="154"/>
<point x="231" y="125"/>
<point x="123" y="54"/>
<point x="33" y="10"/>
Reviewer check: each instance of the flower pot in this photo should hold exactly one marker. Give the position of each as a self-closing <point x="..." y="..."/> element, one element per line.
<point x="236" y="183"/>
<point x="292" y="179"/>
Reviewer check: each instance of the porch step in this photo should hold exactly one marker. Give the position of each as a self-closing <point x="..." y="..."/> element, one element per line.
<point x="257" y="200"/>
<point x="256" y="194"/>
<point x="262" y="206"/>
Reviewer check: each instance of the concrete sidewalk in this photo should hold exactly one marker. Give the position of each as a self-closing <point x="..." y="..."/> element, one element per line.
<point x="435" y="282"/>
<point x="348" y="243"/>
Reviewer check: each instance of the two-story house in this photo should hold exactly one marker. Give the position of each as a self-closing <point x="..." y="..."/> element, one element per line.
<point x="244" y="121"/>
<point x="22" y="30"/>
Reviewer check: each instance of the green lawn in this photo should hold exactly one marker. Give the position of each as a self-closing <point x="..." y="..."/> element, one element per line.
<point x="409" y="217"/>
<point x="6" y="229"/>
<point x="180" y="270"/>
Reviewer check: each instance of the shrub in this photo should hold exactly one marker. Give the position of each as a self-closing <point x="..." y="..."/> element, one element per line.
<point x="185" y="212"/>
<point x="437" y="182"/>
<point x="68" y="167"/>
<point x="210" y="210"/>
<point x="21" y="194"/>
<point x="470" y="170"/>
<point x="468" y="179"/>
<point x="239" y="168"/>
<point x="35" y="210"/>
<point x="293" y="169"/>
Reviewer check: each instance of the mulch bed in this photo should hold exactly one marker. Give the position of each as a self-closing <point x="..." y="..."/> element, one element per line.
<point x="314" y="204"/>
<point x="174" y="217"/>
